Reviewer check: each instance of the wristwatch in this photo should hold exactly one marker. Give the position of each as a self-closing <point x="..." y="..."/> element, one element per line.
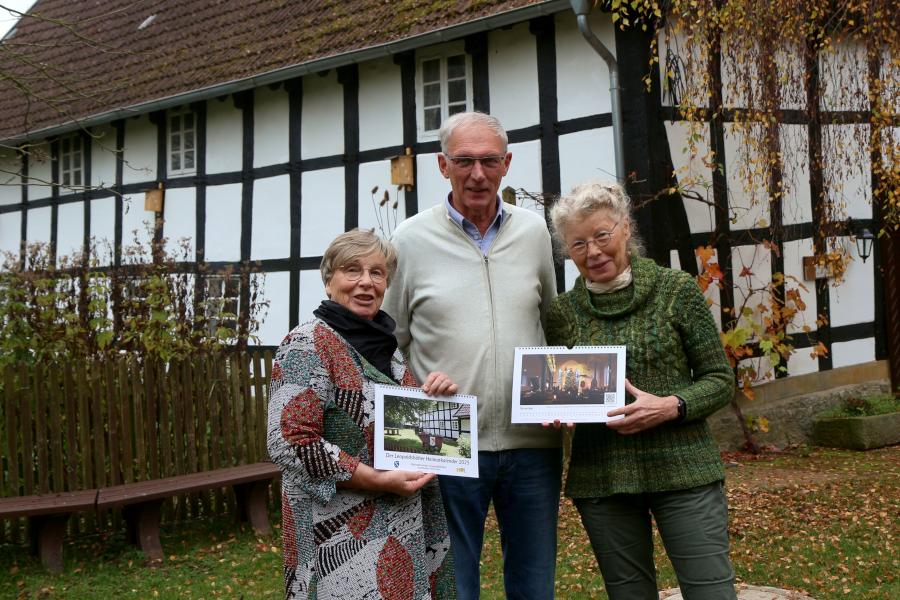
<point x="682" y="409"/>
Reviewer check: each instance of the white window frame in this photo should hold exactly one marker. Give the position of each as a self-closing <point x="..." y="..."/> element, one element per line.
<point x="181" y="151"/>
<point x="442" y="54"/>
<point x="71" y="178"/>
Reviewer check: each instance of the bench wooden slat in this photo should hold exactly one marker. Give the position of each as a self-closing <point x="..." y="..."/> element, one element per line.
<point x="48" y="504"/>
<point x="154" y="489"/>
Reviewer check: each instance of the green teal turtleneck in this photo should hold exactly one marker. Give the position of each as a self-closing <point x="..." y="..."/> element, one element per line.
<point x="672" y="347"/>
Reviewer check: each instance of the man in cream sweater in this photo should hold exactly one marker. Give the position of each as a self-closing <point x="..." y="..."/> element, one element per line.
<point x="474" y="279"/>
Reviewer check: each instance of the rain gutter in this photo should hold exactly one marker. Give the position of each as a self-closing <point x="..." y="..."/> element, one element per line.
<point x="582" y="8"/>
<point x="437" y="36"/>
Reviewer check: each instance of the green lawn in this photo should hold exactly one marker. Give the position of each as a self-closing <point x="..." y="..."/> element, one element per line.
<point x="411" y="442"/>
<point x="824" y="522"/>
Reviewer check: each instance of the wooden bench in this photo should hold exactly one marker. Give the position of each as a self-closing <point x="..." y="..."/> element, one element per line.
<point x="47" y="517"/>
<point x="141" y="501"/>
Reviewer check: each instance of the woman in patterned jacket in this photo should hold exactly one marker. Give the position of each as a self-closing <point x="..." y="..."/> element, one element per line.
<point x="351" y="531"/>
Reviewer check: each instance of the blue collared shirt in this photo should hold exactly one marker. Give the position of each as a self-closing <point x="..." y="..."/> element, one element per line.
<point x="482" y="241"/>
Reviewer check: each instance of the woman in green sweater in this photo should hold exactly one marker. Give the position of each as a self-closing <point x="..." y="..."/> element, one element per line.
<point x="660" y="458"/>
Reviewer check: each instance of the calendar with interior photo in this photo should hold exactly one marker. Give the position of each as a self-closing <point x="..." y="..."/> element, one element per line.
<point x="574" y="385"/>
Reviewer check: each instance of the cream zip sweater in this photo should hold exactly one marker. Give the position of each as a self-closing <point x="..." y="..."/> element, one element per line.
<point x="463" y="313"/>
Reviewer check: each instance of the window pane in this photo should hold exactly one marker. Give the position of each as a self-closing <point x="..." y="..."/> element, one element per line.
<point x="189" y="121"/>
<point x="64" y="146"/>
<point x="456" y="91"/>
<point x="433" y="94"/>
<point x="189" y="140"/>
<point x="65" y="163"/>
<point x="175" y="123"/>
<point x="176" y="162"/>
<point x="77" y="176"/>
<point x="456" y="108"/>
<point x="65" y="179"/>
<point x="456" y="66"/>
<point x="176" y="142"/>
<point x="76" y="160"/>
<point x="431" y="70"/>
<point x="189" y="159"/>
<point x="432" y="118"/>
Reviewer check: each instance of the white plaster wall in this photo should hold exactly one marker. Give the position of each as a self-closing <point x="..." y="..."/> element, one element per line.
<point x="322" y="127"/>
<point x="37" y="230"/>
<point x="512" y="64"/>
<point x="271" y="130"/>
<point x="383" y="219"/>
<point x="687" y="64"/>
<point x="571" y="274"/>
<point x="852" y="353"/>
<point x="380" y="104"/>
<point x="791" y="78"/>
<point x="139" y="151"/>
<point x="271" y="231"/>
<point x="847" y="170"/>
<point x="525" y="173"/>
<point x="793" y="270"/>
<point x="39" y="173"/>
<point x="70" y="229"/>
<point x="322" y="212"/>
<point x="674" y="259"/>
<point x="691" y="158"/>
<point x="224" y="135"/>
<point x="274" y="326"/>
<point x="852" y="300"/>
<point x="748" y="202"/>
<point x="796" y="205"/>
<point x="223" y="222"/>
<point x="582" y="77"/>
<point x="843" y="77"/>
<point x="802" y="362"/>
<point x="713" y="294"/>
<point x="586" y="155"/>
<point x="103" y="156"/>
<point x="737" y="88"/>
<point x="181" y="221"/>
<point x="10" y="178"/>
<point x="137" y="224"/>
<point x="312" y="292"/>
<point x="431" y="186"/>
<point x="103" y="228"/>
<point x="759" y="261"/>
<point x="10" y="232"/>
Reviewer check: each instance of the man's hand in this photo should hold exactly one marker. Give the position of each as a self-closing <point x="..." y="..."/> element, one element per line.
<point x="438" y="384"/>
<point x="647" y="411"/>
<point x="556" y="424"/>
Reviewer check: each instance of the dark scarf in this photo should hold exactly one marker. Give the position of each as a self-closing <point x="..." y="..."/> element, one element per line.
<point x="373" y="339"/>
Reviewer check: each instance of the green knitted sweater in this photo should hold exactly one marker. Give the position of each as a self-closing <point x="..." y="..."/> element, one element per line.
<point x="672" y="347"/>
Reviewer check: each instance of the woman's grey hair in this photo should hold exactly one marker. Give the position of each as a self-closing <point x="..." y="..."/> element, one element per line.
<point x="584" y="200"/>
<point x="471" y="118"/>
<point x="352" y="246"/>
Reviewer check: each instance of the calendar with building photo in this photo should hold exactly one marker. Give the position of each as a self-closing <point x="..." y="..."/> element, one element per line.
<point x="418" y="432"/>
<point x="575" y="385"/>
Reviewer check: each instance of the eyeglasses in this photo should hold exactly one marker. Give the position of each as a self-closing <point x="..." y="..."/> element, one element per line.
<point x="601" y="239"/>
<point x="355" y="273"/>
<point x="487" y="162"/>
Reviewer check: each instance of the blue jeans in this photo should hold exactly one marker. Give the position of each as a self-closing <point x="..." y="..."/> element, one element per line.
<point x="524" y="485"/>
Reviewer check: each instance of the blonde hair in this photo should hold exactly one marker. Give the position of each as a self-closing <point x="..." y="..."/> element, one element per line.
<point x="353" y="245"/>
<point x="584" y="200"/>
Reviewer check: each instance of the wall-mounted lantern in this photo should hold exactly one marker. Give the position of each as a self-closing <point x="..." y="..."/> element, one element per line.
<point x="864" y="241"/>
<point x="153" y="199"/>
<point x="402" y="169"/>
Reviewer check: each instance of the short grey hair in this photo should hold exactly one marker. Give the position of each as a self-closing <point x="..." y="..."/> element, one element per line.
<point x="354" y="245"/>
<point x="471" y="118"/>
<point x="584" y="200"/>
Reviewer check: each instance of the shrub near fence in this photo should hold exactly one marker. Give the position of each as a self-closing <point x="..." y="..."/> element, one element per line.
<point x="84" y="425"/>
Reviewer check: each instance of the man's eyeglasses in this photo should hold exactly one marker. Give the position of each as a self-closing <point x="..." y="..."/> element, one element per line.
<point x="601" y="239"/>
<point x="487" y="162"/>
<point x="355" y="273"/>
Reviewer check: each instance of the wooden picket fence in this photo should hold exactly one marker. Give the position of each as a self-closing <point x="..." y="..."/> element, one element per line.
<point x="74" y="426"/>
